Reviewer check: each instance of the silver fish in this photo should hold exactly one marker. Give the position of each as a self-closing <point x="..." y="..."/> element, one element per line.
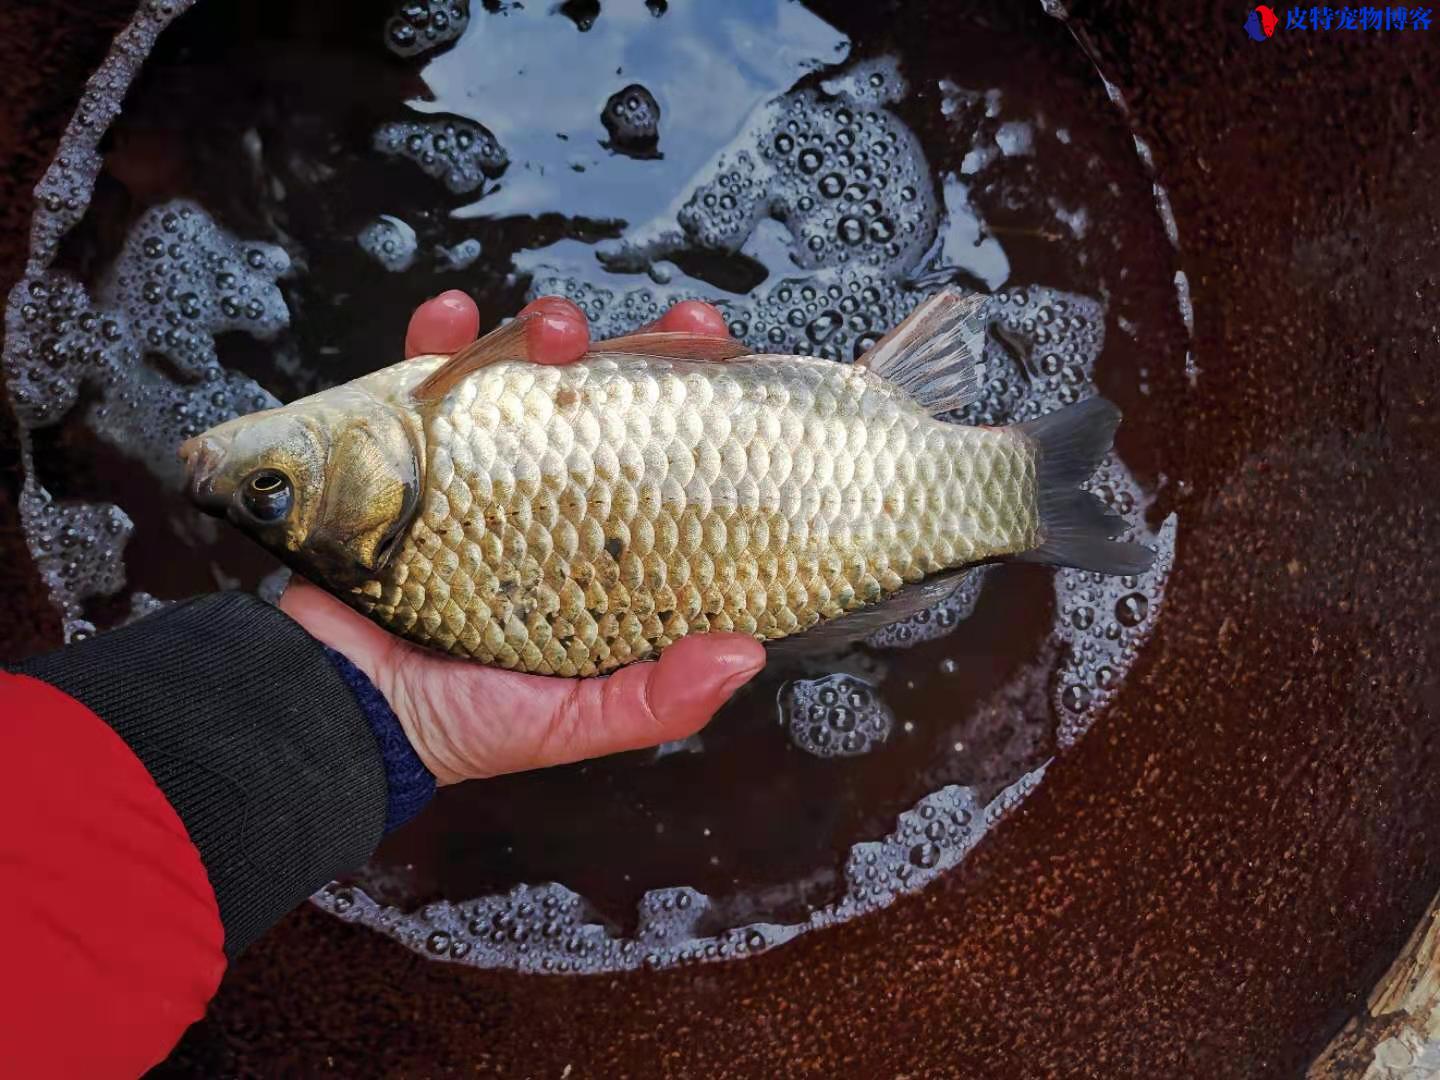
<point x="568" y="520"/>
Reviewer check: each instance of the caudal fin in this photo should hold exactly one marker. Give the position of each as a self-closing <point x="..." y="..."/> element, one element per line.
<point x="1076" y="528"/>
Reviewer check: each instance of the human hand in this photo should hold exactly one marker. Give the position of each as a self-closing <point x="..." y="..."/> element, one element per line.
<point x="467" y="721"/>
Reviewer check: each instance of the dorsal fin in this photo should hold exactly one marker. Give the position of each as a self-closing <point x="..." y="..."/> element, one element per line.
<point x="932" y="354"/>
<point x="678" y="346"/>
<point x="508" y="343"/>
<point x="503" y="343"/>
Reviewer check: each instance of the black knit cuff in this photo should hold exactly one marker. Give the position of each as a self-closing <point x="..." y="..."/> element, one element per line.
<point x="253" y="735"/>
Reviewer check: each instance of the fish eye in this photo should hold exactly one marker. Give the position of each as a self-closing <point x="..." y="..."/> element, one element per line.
<point x="267" y="496"/>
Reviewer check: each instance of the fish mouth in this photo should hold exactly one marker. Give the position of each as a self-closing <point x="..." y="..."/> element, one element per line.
<point x="202" y="457"/>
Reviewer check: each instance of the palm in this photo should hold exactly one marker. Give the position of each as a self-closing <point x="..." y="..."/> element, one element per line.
<point x="467" y="721"/>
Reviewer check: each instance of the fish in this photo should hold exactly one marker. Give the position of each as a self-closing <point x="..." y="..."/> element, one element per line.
<point x="568" y="520"/>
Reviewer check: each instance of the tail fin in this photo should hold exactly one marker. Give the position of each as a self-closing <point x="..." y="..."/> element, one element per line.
<point x="1076" y="527"/>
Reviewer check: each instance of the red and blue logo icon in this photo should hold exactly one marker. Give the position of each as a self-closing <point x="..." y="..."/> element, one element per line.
<point x="1261" y="23"/>
<point x="1263" y="20"/>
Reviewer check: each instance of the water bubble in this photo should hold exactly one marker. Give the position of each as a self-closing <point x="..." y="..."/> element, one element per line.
<point x="835" y="716"/>
<point x="1131" y="609"/>
<point x="582" y="13"/>
<point x="823" y="326"/>
<point x="459" y="255"/>
<point x="390" y="242"/>
<point x="459" y="152"/>
<point x="426" y="24"/>
<point x="925" y="856"/>
<point x="632" y="117"/>
<point x="869" y="83"/>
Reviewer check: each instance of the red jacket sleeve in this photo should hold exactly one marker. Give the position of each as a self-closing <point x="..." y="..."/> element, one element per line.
<point x="168" y="790"/>
<point x="109" y="928"/>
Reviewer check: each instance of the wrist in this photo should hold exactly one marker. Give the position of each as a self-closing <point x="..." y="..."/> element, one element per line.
<point x="410" y="783"/>
<point x="389" y="664"/>
<point x="410" y="699"/>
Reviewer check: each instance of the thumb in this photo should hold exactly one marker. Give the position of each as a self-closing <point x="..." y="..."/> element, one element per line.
<point x="492" y="722"/>
<point x="345" y="630"/>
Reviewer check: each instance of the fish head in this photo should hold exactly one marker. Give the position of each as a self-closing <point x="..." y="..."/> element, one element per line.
<point x="329" y="487"/>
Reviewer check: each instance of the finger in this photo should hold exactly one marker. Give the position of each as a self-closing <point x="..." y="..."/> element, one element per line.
<point x="561" y="333"/>
<point x="515" y="722"/>
<point x="693" y="317"/>
<point x="442" y="324"/>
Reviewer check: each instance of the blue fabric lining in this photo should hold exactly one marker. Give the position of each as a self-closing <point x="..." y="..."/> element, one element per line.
<point x="409" y="784"/>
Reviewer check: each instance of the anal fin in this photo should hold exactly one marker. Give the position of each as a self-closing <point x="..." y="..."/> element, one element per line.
<point x="837" y="634"/>
<point x="932" y="354"/>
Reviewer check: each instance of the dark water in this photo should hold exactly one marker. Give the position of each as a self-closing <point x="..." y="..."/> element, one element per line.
<point x="283" y="186"/>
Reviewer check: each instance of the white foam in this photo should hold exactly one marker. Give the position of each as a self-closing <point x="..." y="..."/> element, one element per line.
<point x="390" y="242"/>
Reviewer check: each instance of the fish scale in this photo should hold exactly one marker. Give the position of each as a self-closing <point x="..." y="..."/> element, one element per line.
<point x="576" y="518"/>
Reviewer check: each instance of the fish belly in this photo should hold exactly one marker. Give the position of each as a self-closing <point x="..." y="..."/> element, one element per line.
<point x="578" y="518"/>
